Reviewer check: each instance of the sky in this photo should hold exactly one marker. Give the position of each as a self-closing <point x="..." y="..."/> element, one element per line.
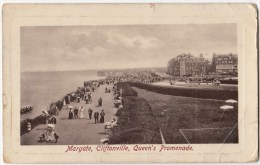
<point x="60" y="48"/>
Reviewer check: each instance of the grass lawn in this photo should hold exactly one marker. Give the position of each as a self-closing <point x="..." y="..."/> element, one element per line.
<point x="192" y="120"/>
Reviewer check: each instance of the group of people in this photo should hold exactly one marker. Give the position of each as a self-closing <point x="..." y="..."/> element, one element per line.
<point x="79" y="113"/>
<point x="85" y="96"/>
<point x="82" y="93"/>
<point x="135" y="76"/>
<point x="102" y="116"/>
<point x="107" y="90"/>
<point x="26" y="109"/>
<point x="76" y="112"/>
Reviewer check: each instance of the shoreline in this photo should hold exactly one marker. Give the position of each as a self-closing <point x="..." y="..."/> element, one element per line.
<point x="79" y="129"/>
<point x="39" y="118"/>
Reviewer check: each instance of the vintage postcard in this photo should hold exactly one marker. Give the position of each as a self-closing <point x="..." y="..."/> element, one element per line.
<point x="130" y="83"/>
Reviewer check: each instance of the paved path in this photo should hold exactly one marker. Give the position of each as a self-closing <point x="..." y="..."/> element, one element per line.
<point x="78" y="131"/>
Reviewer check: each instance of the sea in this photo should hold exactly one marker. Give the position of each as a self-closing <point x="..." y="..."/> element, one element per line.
<point x="40" y="89"/>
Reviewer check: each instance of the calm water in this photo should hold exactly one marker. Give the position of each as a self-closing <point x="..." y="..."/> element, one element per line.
<point x="40" y="89"/>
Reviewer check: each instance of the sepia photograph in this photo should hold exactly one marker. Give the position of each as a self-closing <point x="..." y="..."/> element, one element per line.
<point x="130" y="84"/>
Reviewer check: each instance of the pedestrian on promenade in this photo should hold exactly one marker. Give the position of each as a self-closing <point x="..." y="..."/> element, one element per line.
<point x="82" y="95"/>
<point x="70" y="114"/>
<point x="96" y="115"/>
<point x="78" y="99"/>
<point x="89" y="97"/>
<point x="102" y="116"/>
<point x="90" y="111"/>
<point x="100" y="102"/>
<point x="52" y="120"/>
<point x="81" y="111"/>
<point x="64" y="102"/>
<point x="69" y="99"/>
<point x="76" y="113"/>
<point x="85" y="96"/>
<point x="56" y="110"/>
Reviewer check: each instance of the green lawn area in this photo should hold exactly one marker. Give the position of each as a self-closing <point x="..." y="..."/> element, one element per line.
<point x="192" y="120"/>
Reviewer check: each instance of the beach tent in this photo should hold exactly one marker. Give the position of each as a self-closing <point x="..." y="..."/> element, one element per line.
<point x="231" y="101"/>
<point x="104" y="140"/>
<point x="226" y="107"/>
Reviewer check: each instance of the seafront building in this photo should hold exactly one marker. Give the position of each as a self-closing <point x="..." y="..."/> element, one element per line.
<point x="224" y="64"/>
<point x="187" y="65"/>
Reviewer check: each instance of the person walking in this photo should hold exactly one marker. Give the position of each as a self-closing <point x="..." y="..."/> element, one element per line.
<point x="100" y="102"/>
<point x="52" y="120"/>
<point x="76" y="111"/>
<point x="69" y="99"/>
<point x="85" y="96"/>
<point x="70" y="114"/>
<point x="78" y="99"/>
<point x="96" y="115"/>
<point x="89" y="97"/>
<point x="81" y="112"/>
<point x="90" y="111"/>
<point x="82" y="95"/>
<point x="102" y="116"/>
<point x="64" y="102"/>
<point x="56" y="110"/>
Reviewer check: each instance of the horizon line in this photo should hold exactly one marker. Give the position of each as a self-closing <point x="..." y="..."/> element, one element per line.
<point x="101" y="69"/>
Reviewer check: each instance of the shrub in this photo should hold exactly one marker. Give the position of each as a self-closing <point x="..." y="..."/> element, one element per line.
<point x="136" y="123"/>
<point x="127" y="90"/>
<point x="230" y="81"/>
<point x="39" y="119"/>
<point x="34" y="122"/>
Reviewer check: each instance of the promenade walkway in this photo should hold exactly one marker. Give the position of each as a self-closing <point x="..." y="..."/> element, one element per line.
<point x="78" y="131"/>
